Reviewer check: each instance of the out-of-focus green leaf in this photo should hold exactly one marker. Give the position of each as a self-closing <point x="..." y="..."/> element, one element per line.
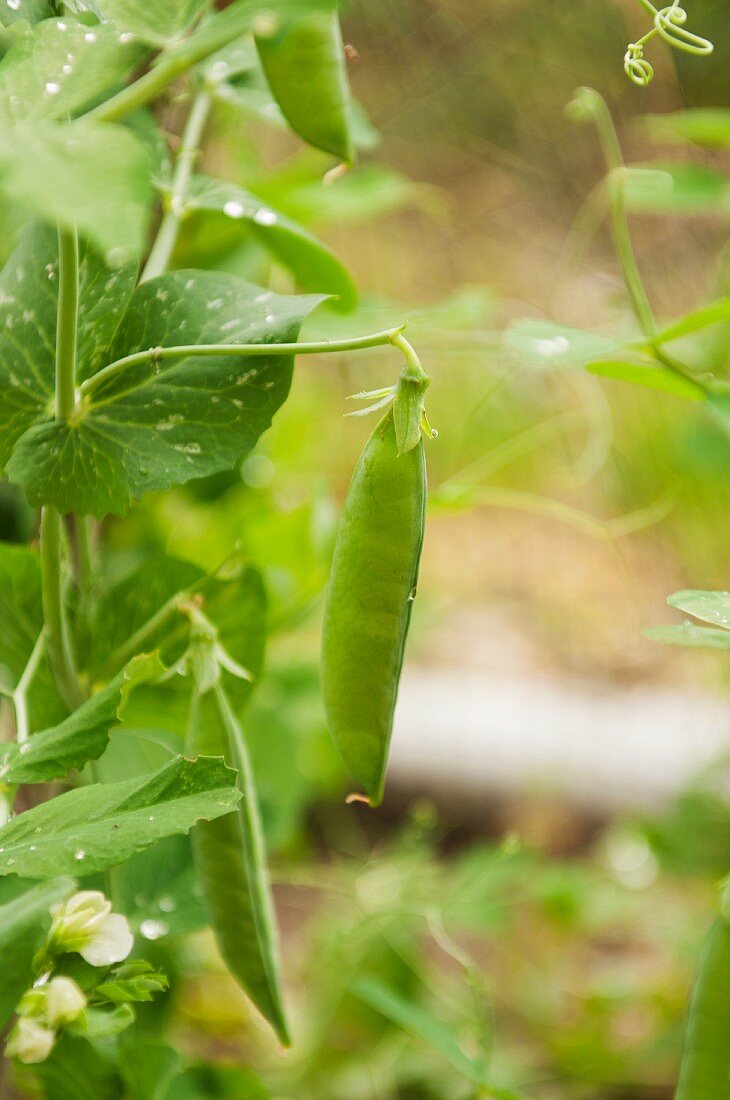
<point x="675" y="189"/>
<point x="78" y="1070"/>
<point x="689" y="634"/>
<point x="698" y="319"/>
<point x="314" y="265"/>
<point x="650" y="375"/>
<point x="24" y="923"/>
<point x="304" y="61"/>
<point x="91" y="828"/>
<point x="710" y="607"/>
<point x="422" y="1025"/>
<point x="544" y="343"/>
<point x="31" y="11"/>
<point x="708" y="126"/>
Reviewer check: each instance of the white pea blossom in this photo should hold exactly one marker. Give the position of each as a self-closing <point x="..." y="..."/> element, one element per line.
<point x="64" y="1001"/>
<point x="85" y="924"/>
<point x="30" y="1041"/>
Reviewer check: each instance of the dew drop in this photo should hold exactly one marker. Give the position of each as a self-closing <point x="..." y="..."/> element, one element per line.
<point x="126" y="36"/>
<point x="90" y="36"/>
<point x="13" y="4"/>
<point x="59" y="26"/>
<point x="66" y="69"/>
<point x="167" y="905"/>
<point x="79" y="854"/>
<point x="153" y="929"/>
<point x="52" y="88"/>
<point x="265" y="217"/>
<point x="234" y="209"/>
<point x="10" y="862"/>
<point x="33" y="847"/>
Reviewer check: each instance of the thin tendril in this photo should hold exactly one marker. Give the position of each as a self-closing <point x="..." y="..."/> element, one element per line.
<point x="669" y="24"/>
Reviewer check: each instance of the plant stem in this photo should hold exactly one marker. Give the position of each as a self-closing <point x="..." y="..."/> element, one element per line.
<point x="20" y="694"/>
<point x="225" y="27"/>
<point x="162" y="249"/>
<point x="182" y="351"/>
<point x="54" y="614"/>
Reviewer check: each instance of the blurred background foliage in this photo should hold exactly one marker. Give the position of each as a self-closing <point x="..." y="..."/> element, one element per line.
<point x="428" y="955"/>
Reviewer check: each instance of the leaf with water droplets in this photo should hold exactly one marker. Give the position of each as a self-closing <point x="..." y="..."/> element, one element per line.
<point x="313" y="264"/>
<point x="543" y="343"/>
<point x="157" y="23"/>
<point x="28" y="307"/>
<point x="84" y="831"/>
<point x="711" y="607"/>
<point x="689" y="634"/>
<point x="62" y="68"/>
<point x="159" y="425"/>
<point x="83" y="736"/>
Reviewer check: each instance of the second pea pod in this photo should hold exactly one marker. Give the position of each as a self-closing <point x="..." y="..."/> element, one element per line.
<point x="371" y="591"/>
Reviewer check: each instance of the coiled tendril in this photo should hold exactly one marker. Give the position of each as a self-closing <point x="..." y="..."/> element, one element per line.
<point x="669" y="24"/>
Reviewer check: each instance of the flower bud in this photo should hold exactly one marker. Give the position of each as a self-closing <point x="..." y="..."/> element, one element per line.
<point x="64" y="1001"/>
<point x="30" y="1041"/>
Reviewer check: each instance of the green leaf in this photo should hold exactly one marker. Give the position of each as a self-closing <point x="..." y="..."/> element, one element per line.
<point x="313" y="264"/>
<point x="675" y="189"/>
<point x="24" y="923"/>
<point x="646" y="373"/>
<point x="95" y="827"/>
<point x="102" y="1023"/>
<point x="422" y="1025"/>
<point x="713" y="314"/>
<point x="83" y="736"/>
<point x="304" y="61"/>
<point x="22" y="616"/>
<point x="711" y="607"/>
<point x="62" y="68"/>
<point x="78" y="1070"/>
<point x="689" y="634"/>
<point x="30" y="11"/>
<point x="543" y="343"/>
<point x="133" y="981"/>
<point x="709" y="126"/>
<point x="28" y="307"/>
<point x="100" y="179"/>
<point x="197" y="416"/>
<point x="231" y="861"/>
<point x="158" y="23"/>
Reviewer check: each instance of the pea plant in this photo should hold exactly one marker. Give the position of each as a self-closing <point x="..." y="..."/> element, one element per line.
<point x="121" y="374"/>
<point x="677" y="359"/>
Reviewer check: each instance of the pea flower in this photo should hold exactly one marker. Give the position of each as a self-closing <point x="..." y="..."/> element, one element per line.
<point x="64" y="1001"/>
<point x="30" y="1041"/>
<point x="85" y="924"/>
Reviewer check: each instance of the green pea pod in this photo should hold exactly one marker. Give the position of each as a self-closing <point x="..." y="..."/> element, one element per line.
<point x="369" y="600"/>
<point x="705" y="1072"/>
<point x="230" y="859"/>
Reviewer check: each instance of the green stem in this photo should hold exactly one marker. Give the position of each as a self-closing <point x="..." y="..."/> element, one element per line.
<point x="225" y="27"/>
<point x="20" y="694"/>
<point x="154" y="356"/>
<point x="58" y="639"/>
<point x="163" y="247"/>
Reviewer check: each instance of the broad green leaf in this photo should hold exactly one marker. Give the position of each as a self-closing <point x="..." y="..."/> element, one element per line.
<point x="422" y="1025"/>
<point x="710" y="607"/>
<point x="154" y="428"/>
<point x="313" y="264"/>
<point x="100" y="179"/>
<point x="61" y="68"/>
<point x="230" y="858"/>
<point x="156" y="23"/>
<point x="689" y="634"/>
<point x="24" y="923"/>
<point x="134" y="981"/>
<point x="78" y="1070"/>
<point x="89" y="829"/>
<point x="648" y="374"/>
<point x="304" y="61"/>
<point x="675" y="189"/>
<point x="708" y="126"/>
<point x="22" y="617"/>
<point x="28" y="307"/>
<point x="83" y="736"/>
<point x="543" y="343"/>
